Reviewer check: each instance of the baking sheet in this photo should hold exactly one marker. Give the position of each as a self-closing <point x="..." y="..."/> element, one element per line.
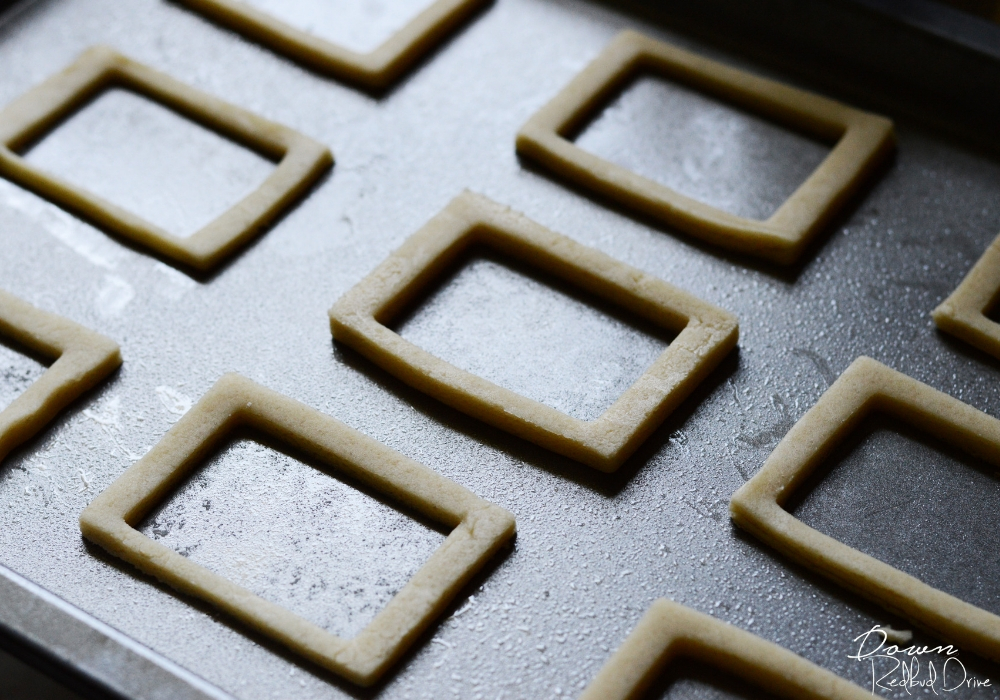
<point x="48" y="647"/>
<point x="593" y="550"/>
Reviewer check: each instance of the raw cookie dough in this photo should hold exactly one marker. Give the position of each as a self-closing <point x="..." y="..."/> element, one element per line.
<point x="963" y="314"/>
<point x="868" y="387"/>
<point x="82" y="357"/>
<point x="479" y="528"/>
<point x="863" y="141"/>
<point x="301" y="160"/>
<point x="376" y="69"/>
<point x="669" y="630"/>
<point x="705" y="333"/>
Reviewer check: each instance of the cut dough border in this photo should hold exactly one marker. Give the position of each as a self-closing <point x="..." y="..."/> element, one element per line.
<point x="963" y="313"/>
<point x="868" y="387"/>
<point x="669" y="630"/>
<point x="82" y="357"/>
<point x="705" y="333"/>
<point x="376" y="69"/>
<point x="479" y="528"/>
<point x="863" y="141"/>
<point x="301" y="160"/>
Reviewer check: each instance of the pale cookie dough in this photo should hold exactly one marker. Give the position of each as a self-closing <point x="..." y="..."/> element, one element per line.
<point x="82" y="357"/>
<point x="705" y="333"/>
<point x="863" y="141"/>
<point x="868" y="387"/>
<point x="963" y="314"/>
<point x="669" y="630"/>
<point x="376" y="69"/>
<point x="479" y="528"/>
<point x="301" y="160"/>
<point x="896" y="636"/>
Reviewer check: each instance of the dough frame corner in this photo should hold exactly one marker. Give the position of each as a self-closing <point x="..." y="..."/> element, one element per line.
<point x="82" y="359"/>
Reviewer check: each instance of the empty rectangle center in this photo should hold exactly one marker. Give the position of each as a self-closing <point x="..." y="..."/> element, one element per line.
<point x="147" y="159"/>
<point x="533" y="336"/>
<point x="701" y="147"/>
<point x="913" y="503"/>
<point x="359" y="25"/>
<point x="293" y="535"/>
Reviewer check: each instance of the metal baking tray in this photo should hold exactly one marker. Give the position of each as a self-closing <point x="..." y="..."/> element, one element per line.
<point x="593" y="550"/>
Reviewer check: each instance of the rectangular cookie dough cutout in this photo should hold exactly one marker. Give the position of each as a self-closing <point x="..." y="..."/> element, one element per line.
<point x="706" y="333"/>
<point x="82" y="357"/>
<point x="376" y="70"/>
<point x="963" y="313"/>
<point x="479" y="528"/>
<point x="301" y="160"/>
<point x="868" y="387"/>
<point x="669" y="630"/>
<point x="863" y="139"/>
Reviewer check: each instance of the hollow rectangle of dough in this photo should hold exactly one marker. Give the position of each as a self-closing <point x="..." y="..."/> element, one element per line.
<point x="863" y="141"/>
<point x="669" y="630"/>
<point x="963" y="313"/>
<point x="705" y="333"/>
<point x="82" y="357"/>
<point x="301" y="160"/>
<point x="376" y="69"/>
<point x="478" y="527"/>
<point x="864" y="388"/>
